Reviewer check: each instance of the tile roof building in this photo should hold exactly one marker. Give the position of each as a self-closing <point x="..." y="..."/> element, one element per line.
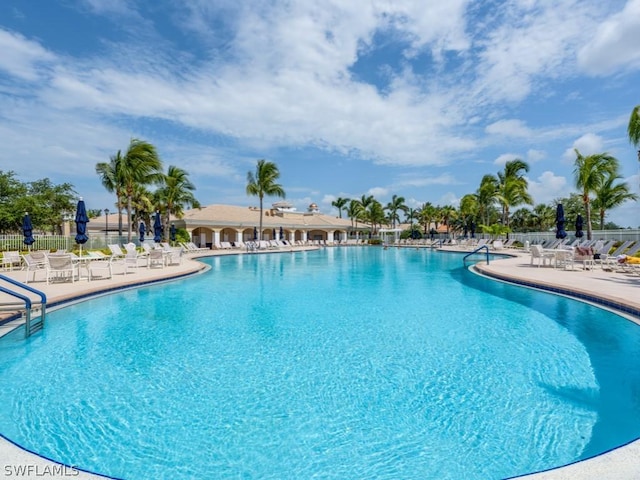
<point x="228" y="223"/>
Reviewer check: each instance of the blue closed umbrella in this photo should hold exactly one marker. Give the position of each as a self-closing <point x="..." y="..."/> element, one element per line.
<point x="579" y="225"/>
<point x="81" y="224"/>
<point x="157" y="229"/>
<point x="281" y="233"/>
<point x="473" y="230"/>
<point x="172" y="233"/>
<point x="560" y="233"/>
<point x="255" y="234"/>
<point x="27" y="230"/>
<point x="142" y="230"/>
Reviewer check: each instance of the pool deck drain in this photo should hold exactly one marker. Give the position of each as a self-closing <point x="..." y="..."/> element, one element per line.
<point x="620" y="291"/>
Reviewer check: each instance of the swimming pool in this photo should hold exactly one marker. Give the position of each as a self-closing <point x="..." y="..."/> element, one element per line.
<point x="342" y="363"/>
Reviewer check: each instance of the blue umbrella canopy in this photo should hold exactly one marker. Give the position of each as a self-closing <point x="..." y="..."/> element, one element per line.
<point x="560" y="233"/>
<point x="81" y="223"/>
<point x="27" y="230"/>
<point x="579" y="225"/>
<point x="157" y="228"/>
<point x="142" y="230"/>
<point x="172" y="233"/>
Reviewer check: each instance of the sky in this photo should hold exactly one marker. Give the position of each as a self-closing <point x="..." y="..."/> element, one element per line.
<point x="348" y="98"/>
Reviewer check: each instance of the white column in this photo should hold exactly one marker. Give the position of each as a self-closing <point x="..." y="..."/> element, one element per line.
<point x="330" y="236"/>
<point x="304" y="235"/>
<point x="238" y="235"/>
<point x="216" y="237"/>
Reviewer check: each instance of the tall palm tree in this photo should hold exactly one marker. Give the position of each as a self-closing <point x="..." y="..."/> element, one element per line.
<point x="354" y="212"/>
<point x="610" y="195"/>
<point x="448" y="214"/>
<point x="487" y="194"/>
<point x="590" y="173"/>
<point x="633" y="129"/>
<point x="263" y="182"/>
<point x="427" y="216"/>
<point x="340" y="203"/>
<point x="142" y="204"/>
<point x="375" y="214"/>
<point x="109" y="174"/>
<point x="393" y="207"/>
<point x="512" y="187"/>
<point x="175" y="194"/>
<point x="139" y="166"/>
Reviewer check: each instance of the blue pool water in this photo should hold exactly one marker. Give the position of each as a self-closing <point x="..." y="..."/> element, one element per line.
<point x="346" y="363"/>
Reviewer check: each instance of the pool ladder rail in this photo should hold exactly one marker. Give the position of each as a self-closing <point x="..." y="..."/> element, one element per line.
<point x="477" y="250"/>
<point x="31" y="308"/>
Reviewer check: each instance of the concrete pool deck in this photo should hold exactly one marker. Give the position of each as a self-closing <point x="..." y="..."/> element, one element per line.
<point x="612" y="288"/>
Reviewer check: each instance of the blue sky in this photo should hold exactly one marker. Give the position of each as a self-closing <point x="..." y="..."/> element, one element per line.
<point x="413" y="98"/>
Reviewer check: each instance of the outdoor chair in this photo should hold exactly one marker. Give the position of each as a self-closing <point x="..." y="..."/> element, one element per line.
<point x="34" y="262"/>
<point x="101" y="268"/>
<point x="61" y="267"/>
<point x="156" y="258"/>
<point x="11" y="259"/>
<point x="539" y="255"/>
<point x="174" y="256"/>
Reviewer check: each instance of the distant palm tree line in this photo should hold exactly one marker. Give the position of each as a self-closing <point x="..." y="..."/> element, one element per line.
<point x="489" y="208"/>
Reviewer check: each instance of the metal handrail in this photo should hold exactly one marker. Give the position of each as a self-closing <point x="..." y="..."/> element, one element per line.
<point x="27" y="303"/>
<point x="476" y="251"/>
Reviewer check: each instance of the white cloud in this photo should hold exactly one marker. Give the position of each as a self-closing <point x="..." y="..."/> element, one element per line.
<point x="449" y="198"/>
<point x="614" y="46"/>
<point x="587" y="144"/>
<point x="547" y="187"/>
<point x="23" y="58"/>
<point x="378" y="192"/>
<point x="534" y="156"/>
<point x="509" y="128"/>
<point x="416" y="181"/>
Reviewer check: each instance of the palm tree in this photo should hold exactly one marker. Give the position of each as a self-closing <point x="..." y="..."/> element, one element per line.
<point x="427" y="216"/>
<point x="175" y="194"/>
<point x="634" y="128"/>
<point x="512" y="187"/>
<point x="354" y="212"/>
<point x="263" y="183"/>
<point x="610" y="195"/>
<point x="396" y="204"/>
<point x="544" y="216"/>
<point x="340" y="203"/>
<point x="487" y="194"/>
<point x="140" y="166"/>
<point x="375" y="214"/>
<point x="142" y="204"/>
<point x="109" y="176"/>
<point x="448" y="214"/>
<point x="590" y="173"/>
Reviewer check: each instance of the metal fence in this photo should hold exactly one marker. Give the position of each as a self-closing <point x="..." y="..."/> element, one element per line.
<point x="617" y="235"/>
<point x="61" y="242"/>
